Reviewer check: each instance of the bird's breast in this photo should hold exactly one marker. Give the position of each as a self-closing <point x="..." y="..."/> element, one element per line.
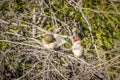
<point x="77" y="53"/>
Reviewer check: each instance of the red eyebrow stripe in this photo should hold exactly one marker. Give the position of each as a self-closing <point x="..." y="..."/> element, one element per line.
<point x="77" y="39"/>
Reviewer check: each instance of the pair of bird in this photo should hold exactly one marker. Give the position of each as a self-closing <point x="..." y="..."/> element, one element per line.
<point x="53" y="41"/>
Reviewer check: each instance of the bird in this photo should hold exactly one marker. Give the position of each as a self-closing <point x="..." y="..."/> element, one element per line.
<point x="53" y="41"/>
<point x="49" y="41"/>
<point x="77" y="48"/>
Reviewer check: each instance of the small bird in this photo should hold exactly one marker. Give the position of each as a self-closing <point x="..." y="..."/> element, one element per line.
<point x="49" y="41"/>
<point x="77" y="48"/>
<point x="53" y="41"/>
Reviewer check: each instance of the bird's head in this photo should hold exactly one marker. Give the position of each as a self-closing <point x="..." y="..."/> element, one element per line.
<point x="49" y="38"/>
<point x="76" y="40"/>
